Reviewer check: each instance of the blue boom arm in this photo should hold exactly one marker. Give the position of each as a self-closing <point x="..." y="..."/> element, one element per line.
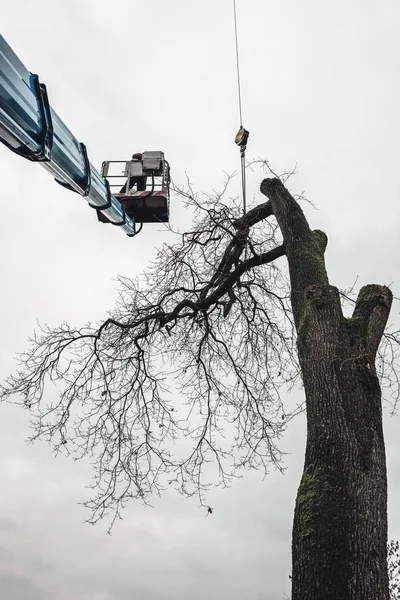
<point x="31" y="128"/>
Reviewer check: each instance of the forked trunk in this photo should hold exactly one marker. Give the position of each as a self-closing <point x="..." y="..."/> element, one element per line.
<point x="340" y="522"/>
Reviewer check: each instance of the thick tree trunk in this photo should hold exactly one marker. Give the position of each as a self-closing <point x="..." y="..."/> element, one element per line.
<point x="340" y="522"/>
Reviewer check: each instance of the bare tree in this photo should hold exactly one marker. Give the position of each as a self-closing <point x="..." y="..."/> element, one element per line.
<point x="181" y="385"/>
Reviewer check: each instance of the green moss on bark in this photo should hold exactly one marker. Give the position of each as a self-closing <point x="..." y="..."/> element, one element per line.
<point x="309" y="494"/>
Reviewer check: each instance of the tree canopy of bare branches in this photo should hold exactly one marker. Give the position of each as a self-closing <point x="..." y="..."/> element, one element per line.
<point x="185" y="371"/>
<point x="182" y="384"/>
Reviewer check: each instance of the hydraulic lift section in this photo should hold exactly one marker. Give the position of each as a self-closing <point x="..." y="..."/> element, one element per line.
<point x="30" y="127"/>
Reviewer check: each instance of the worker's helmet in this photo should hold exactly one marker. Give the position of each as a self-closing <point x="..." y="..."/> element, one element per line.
<point x="137" y="156"/>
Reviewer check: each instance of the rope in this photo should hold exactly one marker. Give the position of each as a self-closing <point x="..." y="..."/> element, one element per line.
<point x="243" y="165"/>
<point x="237" y="63"/>
<point x="243" y="134"/>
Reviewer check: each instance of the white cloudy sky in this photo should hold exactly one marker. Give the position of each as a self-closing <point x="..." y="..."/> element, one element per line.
<point x="320" y="88"/>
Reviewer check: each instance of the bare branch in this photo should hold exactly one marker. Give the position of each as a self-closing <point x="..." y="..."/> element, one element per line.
<point x="185" y="373"/>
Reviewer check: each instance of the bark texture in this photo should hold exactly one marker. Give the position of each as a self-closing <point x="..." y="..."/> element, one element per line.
<point x="340" y="522"/>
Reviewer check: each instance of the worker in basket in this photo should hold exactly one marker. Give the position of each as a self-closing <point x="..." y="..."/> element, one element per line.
<point x="138" y="180"/>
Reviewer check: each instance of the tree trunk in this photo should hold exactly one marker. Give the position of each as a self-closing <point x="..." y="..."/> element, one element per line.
<point x="340" y="521"/>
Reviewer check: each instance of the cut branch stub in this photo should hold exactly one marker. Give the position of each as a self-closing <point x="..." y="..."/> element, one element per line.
<point x="321" y="325"/>
<point x="371" y="313"/>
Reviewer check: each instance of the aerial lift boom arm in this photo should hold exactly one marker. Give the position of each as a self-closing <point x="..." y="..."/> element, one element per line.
<point x="30" y="127"/>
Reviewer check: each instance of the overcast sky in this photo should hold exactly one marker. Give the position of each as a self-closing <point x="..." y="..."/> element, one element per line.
<point x="320" y="88"/>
